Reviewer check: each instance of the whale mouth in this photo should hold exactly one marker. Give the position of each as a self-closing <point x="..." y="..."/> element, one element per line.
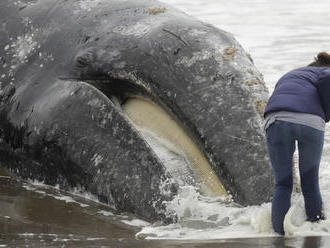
<point x="167" y="137"/>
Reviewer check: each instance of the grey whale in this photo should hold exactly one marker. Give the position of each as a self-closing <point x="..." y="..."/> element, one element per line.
<point x="73" y="75"/>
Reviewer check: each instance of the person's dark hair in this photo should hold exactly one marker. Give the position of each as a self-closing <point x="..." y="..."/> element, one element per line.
<point x="322" y="59"/>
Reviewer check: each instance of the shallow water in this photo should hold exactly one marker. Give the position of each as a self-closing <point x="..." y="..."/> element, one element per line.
<point x="40" y="216"/>
<point x="35" y="215"/>
<point x="279" y="35"/>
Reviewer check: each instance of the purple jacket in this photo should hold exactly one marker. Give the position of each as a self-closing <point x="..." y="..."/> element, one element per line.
<point x="304" y="90"/>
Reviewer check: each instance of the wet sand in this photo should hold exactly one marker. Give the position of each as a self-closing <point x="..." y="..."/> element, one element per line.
<point x="35" y="218"/>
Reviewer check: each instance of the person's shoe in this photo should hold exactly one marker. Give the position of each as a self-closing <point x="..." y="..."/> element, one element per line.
<point x="316" y="218"/>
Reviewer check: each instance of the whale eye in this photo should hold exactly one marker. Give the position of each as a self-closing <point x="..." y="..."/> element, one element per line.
<point x="84" y="59"/>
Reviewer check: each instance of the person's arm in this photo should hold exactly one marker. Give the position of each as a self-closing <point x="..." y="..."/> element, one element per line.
<point x="323" y="88"/>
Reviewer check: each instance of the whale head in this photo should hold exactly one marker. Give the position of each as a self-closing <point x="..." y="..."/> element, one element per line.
<point x="132" y="100"/>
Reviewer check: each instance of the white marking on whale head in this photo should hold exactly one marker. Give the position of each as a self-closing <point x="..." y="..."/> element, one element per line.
<point x="24" y="45"/>
<point x="97" y="159"/>
<point x="197" y="56"/>
<point x="88" y="5"/>
<point x="97" y="103"/>
<point x="21" y="4"/>
<point x="139" y="29"/>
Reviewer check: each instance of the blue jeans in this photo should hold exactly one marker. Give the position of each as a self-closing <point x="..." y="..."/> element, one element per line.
<point x="281" y="137"/>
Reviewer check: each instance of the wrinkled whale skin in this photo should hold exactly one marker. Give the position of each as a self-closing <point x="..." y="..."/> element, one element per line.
<point x="59" y="62"/>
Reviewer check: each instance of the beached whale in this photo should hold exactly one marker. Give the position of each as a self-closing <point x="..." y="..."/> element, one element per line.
<point x="129" y="100"/>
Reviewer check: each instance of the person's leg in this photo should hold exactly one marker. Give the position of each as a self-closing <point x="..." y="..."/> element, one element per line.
<point x="281" y="146"/>
<point x="310" y="145"/>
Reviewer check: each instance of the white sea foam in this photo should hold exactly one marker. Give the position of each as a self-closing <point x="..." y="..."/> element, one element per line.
<point x="37" y="186"/>
<point x="94" y="239"/>
<point x="136" y="222"/>
<point x="202" y="217"/>
<point x="105" y="213"/>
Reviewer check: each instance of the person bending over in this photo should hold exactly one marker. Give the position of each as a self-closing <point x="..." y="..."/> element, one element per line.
<point x="297" y="110"/>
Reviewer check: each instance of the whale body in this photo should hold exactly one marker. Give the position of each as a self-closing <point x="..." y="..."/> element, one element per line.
<point x="93" y="93"/>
